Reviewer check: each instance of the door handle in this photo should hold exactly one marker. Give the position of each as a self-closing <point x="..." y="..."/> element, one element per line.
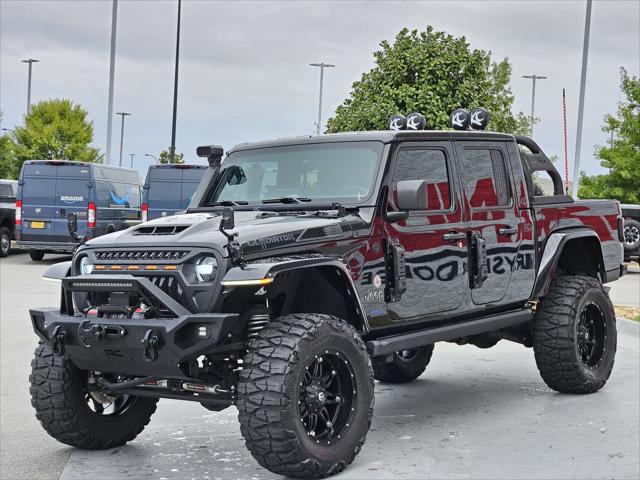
<point x="453" y="236"/>
<point x="508" y="231"/>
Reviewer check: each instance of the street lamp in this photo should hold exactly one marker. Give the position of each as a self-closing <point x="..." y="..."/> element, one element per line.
<point x="322" y="66"/>
<point x="132" y="155"/>
<point x="9" y="130"/>
<point x="533" y="97"/>
<point x="123" y="114"/>
<point x="152" y="156"/>
<point x="30" y="61"/>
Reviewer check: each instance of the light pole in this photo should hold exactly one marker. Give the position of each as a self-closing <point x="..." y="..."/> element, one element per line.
<point x="112" y="72"/>
<point x="123" y="114"/>
<point x="322" y="66"/>
<point x="30" y="61"/>
<point x="583" y="81"/>
<point x="172" y="149"/>
<point x="152" y="156"/>
<point x="533" y="98"/>
<point x="132" y="155"/>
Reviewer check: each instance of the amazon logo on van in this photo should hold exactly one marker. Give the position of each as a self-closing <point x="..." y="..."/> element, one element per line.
<point x="120" y="201"/>
<point x="71" y="198"/>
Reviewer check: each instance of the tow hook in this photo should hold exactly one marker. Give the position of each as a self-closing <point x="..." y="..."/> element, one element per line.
<point x="90" y="334"/>
<point x="151" y="346"/>
<point x="57" y="340"/>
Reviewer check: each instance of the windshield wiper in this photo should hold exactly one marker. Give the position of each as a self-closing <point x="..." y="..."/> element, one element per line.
<point x="287" y="200"/>
<point x="229" y="203"/>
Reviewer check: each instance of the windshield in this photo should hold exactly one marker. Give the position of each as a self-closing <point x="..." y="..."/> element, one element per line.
<point x="330" y="172"/>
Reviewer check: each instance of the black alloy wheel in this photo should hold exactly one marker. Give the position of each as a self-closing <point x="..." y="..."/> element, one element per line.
<point x="327" y="396"/>
<point x="592" y="334"/>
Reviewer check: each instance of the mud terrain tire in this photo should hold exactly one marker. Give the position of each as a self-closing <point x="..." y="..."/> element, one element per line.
<point x="287" y="365"/>
<point x="59" y="398"/>
<point x="574" y="335"/>
<point x="405" y="366"/>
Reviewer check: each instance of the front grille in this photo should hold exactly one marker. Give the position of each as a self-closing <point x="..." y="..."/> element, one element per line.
<point x="141" y="255"/>
<point x="169" y="285"/>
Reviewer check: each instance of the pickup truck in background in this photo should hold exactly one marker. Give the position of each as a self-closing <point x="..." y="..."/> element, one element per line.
<point x="8" y="189"/>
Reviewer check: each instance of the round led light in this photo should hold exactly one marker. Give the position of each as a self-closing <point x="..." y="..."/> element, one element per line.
<point x="86" y="267"/>
<point x="205" y="269"/>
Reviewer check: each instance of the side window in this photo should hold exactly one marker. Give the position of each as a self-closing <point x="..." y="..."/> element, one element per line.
<point x="429" y="165"/>
<point x="486" y="178"/>
<point x="117" y="195"/>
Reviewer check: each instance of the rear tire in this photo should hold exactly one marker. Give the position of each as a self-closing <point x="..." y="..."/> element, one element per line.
<point x="60" y="396"/>
<point x="305" y="396"/>
<point x="36" y="255"/>
<point x="5" y="241"/>
<point x="405" y="366"/>
<point x="631" y="235"/>
<point x="574" y="335"/>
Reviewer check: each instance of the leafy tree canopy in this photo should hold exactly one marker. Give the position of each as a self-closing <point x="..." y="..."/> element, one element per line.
<point x="432" y="73"/>
<point x="165" y="157"/>
<point x="622" y="155"/>
<point x="56" y="129"/>
<point x="8" y="168"/>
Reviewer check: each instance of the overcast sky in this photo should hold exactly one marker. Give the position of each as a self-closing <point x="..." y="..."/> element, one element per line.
<point x="244" y="71"/>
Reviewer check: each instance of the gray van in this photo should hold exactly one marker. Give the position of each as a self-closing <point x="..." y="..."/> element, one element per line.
<point x="104" y="198"/>
<point x="168" y="189"/>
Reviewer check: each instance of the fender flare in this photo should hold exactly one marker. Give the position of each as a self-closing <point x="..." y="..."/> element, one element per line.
<point x="266" y="272"/>
<point x="57" y="271"/>
<point x="553" y="249"/>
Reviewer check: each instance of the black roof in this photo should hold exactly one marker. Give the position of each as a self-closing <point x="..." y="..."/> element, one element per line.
<point x="385" y="136"/>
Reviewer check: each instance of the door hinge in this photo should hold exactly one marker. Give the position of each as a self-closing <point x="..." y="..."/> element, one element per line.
<point x="395" y="274"/>
<point x="479" y="264"/>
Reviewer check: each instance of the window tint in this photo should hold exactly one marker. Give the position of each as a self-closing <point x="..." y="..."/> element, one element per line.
<point x="6" y="190"/>
<point x="117" y="195"/>
<point x="429" y="165"/>
<point x="486" y="179"/>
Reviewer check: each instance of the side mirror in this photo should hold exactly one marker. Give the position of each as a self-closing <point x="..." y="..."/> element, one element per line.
<point x="72" y="224"/>
<point x="412" y="195"/>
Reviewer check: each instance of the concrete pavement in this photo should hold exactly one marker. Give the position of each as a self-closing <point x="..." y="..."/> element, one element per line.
<point x="473" y="414"/>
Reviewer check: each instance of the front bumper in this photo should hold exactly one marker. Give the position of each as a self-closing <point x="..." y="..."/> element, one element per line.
<point x="56" y="247"/>
<point x="131" y="346"/>
<point x="135" y="345"/>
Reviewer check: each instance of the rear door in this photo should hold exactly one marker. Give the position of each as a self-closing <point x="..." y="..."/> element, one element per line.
<point x="164" y="193"/>
<point x="38" y="196"/>
<point x="72" y="189"/>
<point x="190" y="180"/>
<point x="434" y="240"/>
<point x="494" y="219"/>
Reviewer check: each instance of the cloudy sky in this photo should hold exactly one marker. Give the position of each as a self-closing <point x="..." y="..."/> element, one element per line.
<point x="244" y="71"/>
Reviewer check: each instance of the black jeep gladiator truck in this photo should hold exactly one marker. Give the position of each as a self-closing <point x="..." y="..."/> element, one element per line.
<point x="305" y="268"/>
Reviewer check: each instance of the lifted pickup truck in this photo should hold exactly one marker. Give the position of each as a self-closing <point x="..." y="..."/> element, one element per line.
<point x="306" y="267"/>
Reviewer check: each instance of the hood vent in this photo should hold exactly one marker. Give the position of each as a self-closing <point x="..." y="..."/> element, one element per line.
<point x="161" y="230"/>
<point x="320" y="232"/>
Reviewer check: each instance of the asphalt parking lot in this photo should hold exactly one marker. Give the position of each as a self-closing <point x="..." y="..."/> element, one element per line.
<point x="473" y="414"/>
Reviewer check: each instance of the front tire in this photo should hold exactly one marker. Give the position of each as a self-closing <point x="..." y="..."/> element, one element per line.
<point x="574" y="335"/>
<point x="36" y="255"/>
<point x="5" y="241"/>
<point x="405" y="366"/>
<point x="305" y="396"/>
<point x="72" y="413"/>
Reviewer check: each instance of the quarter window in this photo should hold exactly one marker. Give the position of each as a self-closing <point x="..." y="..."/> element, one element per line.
<point x="429" y="165"/>
<point x="486" y="179"/>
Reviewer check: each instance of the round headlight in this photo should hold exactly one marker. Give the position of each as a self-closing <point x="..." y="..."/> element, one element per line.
<point x="205" y="269"/>
<point x="86" y="267"/>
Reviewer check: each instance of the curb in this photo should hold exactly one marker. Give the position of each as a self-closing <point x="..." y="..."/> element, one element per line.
<point x="629" y="327"/>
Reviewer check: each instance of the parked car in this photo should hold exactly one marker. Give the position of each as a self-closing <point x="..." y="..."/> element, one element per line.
<point x="168" y="189"/>
<point x="631" y="214"/>
<point x="105" y="199"/>
<point x="8" y="189"/>
<point x="306" y="267"/>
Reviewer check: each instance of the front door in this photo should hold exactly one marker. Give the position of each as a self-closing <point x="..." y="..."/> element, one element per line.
<point x="494" y="219"/>
<point x="434" y="240"/>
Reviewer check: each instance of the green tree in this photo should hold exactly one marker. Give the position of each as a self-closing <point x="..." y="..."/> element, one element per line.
<point x="622" y="155"/>
<point x="165" y="157"/>
<point x="432" y="73"/>
<point x="8" y="168"/>
<point x="56" y="129"/>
